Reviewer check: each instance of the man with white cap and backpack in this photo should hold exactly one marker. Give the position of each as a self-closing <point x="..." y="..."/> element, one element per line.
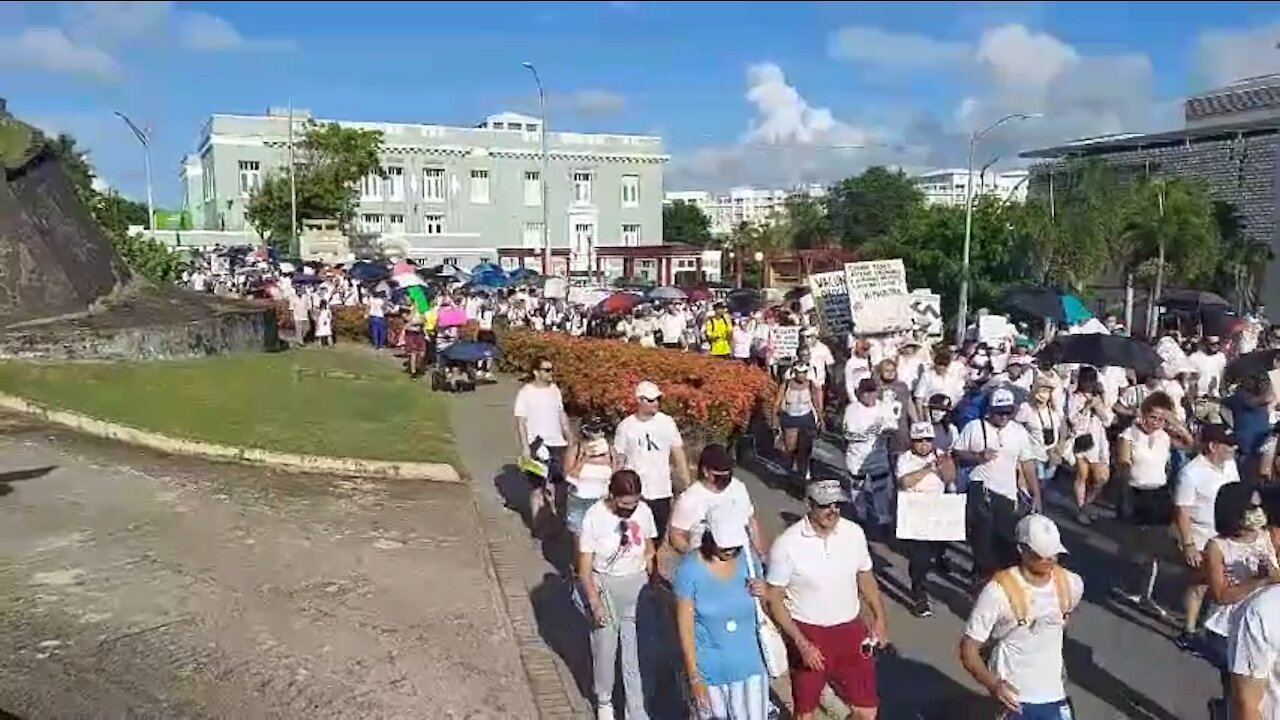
<point x="1022" y="612"/>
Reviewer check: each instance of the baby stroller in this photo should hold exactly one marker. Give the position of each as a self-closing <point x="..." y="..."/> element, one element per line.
<point x="457" y="366"/>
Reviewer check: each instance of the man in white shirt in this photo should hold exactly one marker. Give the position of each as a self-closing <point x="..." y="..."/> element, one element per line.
<point x="716" y="489"/>
<point x="868" y="422"/>
<point x="859" y="365"/>
<point x="672" y="324"/>
<point x="819" y="576"/>
<point x="820" y="357"/>
<point x="1198" y="484"/>
<point x="1024" y="612"/>
<point x="542" y="430"/>
<point x="1209" y="363"/>
<point x="1000" y="454"/>
<point x="649" y="443"/>
<point x="1254" y="658"/>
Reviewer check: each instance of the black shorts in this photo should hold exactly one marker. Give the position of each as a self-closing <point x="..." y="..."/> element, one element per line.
<point x="555" y="469"/>
<point x="798" y="422"/>
<point x="486" y="336"/>
<point x="1150" y="507"/>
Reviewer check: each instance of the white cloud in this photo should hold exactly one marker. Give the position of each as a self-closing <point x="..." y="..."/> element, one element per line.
<point x="201" y="31"/>
<point x="116" y="20"/>
<point x="49" y="49"/>
<point x="1015" y="56"/>
<point x="596" y="102"/>
<point x="784" y="116"/>
<point x="1227" y="55"/>
<point x="890" y="49"/>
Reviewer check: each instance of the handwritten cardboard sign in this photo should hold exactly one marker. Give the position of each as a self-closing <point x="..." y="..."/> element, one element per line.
<point x="879" y="300"/>
<point x="786" y="341"/>
<point x="930" y="516"/>
<point x="831" y="298"/>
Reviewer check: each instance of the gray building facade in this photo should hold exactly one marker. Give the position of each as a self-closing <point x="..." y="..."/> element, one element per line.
<point x="453" y="193"/>
<point x="1231" y="142"/>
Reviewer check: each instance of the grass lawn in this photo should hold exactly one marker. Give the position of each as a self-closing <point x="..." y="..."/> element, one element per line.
<point x="337" y="402"/>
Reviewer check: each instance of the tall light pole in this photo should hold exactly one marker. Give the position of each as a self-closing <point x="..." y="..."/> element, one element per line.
<point x="144" y="137"/>
<point x="542" y="175"/>
<point x="963" y="314"/>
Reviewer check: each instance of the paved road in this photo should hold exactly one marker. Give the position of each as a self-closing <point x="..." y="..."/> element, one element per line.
<point x="1120" y="665"/>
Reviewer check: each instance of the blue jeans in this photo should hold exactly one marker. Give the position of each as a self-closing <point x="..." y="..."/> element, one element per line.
<point x="1060" y="710"/>
<point x="378" y="331"/>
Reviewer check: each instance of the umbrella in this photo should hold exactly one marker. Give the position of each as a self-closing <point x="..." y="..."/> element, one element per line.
<point x="1191" y="300"/>
<point x="667" y="293"/>
<point x="524" y="274"/>
<point x="441" y="273"/>
<point x="301" y="279"/>
<point x="469" y="352"/>
<point x="698" y="294"/>
<point x="1256" y="363"/>
<point x="369" y="272"/>
<point x="1048" y="303"/>
<point x="621" y="302"/>
<point x="1102" y="351"/>
<point x="487" y="267"/>
<point x="796" y="293"/>
<point x="744" y="302"/>
<point x="495" y="280"/>
<point x="481" y="289"/>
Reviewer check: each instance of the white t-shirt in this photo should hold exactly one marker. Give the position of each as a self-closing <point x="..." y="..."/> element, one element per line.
<point x="645" y="446"/>
<point x="691" y="509"/>
<point x="740" y="342"/>
<point x="855" y="369"/>
<point x="820" y="359"/>
<point x="867" y="449"/>
<point x="950" y="383"/>
<point x="1209" y="367"/>
<point x="541" y="408"/>
<point x="1036" y="420"/>
<point x="1150" y="455"/>
<point x="1176" y="393"/>
<point x="1012" y="445"/>
<point x="485" y="318"/>
<point x="1198" y="486"/>
<point x="602" y="533"/>
<point x="1255" y="646"/>
<point x="820" y="575"/>
<point x="909" y="462"/>
<point x="376" y="307"/>
<point x="672" y="326"/>
<point x="1028" y="657"/>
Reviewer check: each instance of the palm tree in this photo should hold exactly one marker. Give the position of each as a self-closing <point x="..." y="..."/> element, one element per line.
<point x="1242" y="260"/>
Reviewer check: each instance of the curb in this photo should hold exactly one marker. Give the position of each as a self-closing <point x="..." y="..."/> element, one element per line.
<point x="317" y="464"/>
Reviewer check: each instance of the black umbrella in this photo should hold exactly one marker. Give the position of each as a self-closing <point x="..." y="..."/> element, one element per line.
<point x="1101" y="351"/>
<point x="744" y="302"/>
<point x="1256" y="363"/>
<point x="369" y="272"/>
<point x="469" y="352"/>
<point x="1190" y="300"/>
<point x="1036" y="302"/>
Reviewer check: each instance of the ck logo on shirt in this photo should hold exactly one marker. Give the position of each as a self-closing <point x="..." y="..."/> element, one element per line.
<point x="648" y="444"/>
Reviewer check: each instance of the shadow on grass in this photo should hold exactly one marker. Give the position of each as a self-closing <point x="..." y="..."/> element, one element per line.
<point x="13" y="476"/>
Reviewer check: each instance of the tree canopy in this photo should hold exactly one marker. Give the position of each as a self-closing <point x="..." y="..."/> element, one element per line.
<point x="868" y="207"/>
<point x="684" y="222"/>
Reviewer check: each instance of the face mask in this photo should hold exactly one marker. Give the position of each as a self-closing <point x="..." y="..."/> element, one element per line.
<point x="624" y="512"/>
<point x="599" y="446"/>
<point x="1044" y="395"/>
<point x="1255" y="519"/>
<point x="938" y="416"/>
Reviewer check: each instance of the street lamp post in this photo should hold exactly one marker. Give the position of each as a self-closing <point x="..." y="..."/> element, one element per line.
<point x="144" y="137"/>
<point x="542" y="175"/>
<point x="963" y="314"/>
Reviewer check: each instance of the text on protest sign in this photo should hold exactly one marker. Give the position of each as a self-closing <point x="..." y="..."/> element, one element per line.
<point x="930" y="516"/>
<point x="831" y="297"/>
<point x="926" y="309"/>
<point x="878" y="297"/>
<point x="786" y="341"/>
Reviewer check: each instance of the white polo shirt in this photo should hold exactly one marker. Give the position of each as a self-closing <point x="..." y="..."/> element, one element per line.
<point x="1198" y="486"/>
<point x="820" y="574"/>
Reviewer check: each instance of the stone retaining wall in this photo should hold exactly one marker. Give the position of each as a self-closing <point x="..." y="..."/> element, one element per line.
<point x="240" y="331"/>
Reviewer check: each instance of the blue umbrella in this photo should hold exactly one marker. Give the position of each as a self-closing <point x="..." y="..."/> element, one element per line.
<point x="369" y="272"/>
<point x="487" y="267"/>
<point x="495" y="280"/>
<point x="1073" y="310"/>
<point x="301" y="279"/>
<point x="469" y="352"/>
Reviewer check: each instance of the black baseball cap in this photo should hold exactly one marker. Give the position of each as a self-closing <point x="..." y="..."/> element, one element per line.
<point x="715" y="458"/>
<point x="1219" y="434"/>
<point x="866" y="385"/>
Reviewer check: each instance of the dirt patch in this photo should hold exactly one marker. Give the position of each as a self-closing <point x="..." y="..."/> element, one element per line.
<point x="148" y="587"/>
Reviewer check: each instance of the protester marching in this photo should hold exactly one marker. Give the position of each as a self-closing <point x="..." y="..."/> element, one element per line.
<point x="947" y="450"/>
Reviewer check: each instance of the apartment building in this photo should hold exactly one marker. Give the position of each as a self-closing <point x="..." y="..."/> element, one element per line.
<point x="753" y="206"/>
<point x="948" y="187"/>
<point x="457" y="194"/>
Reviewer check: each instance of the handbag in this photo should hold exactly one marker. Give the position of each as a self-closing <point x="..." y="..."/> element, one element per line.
<point x="772" y="646"/>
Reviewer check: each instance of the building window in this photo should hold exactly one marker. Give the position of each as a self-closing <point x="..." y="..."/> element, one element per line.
<point x="433" y="184"/>
<point x="371" y="187"/>
<point x="532" y="188"/>
<point x="532" y="235"/>
<point x="631" y="235"/>
<point x="371" y="222"/>
<point x="395" y="182"/>
<point x="395" y="224"/>
<point x="250" y="176"/>
<point x="433" y="224"/>
<point x="499" y="126"/>
<point x="686" y="264"/>
<point x="479" y="186"/>
<point x="582" y="188"/>
<point x="451" y="261"/>
<point x="630" y="191"/>
<point x="647" y="269"/>
<point x="515" y="126"/>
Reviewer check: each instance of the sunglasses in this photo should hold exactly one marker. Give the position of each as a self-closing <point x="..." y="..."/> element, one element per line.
<point x="546" y="369"/>
<point x="826" y="506"/>
<point x="649" y="400"/>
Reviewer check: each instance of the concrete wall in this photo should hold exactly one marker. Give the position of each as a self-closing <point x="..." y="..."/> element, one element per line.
<point x="246" y="331"/>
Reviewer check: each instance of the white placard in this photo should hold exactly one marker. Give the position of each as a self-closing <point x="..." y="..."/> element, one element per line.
<point x="831" y="298"/>
<point x="806" y="303"/>
<point x="878" y="297"/>
<point x="555" y="288"/>
<point x="926" y="311"/>
<point x="993" y="329"/>
<point x="786" y="341"/>
<point x="931" y="516"/>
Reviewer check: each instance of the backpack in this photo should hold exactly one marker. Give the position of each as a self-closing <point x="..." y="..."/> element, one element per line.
<point x="1016" y="594"/>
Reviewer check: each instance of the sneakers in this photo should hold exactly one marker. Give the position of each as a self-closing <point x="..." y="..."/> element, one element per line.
<point x="604" y="712"/>
<point x="1083" y="518"/>
<point x="921" y="609"/>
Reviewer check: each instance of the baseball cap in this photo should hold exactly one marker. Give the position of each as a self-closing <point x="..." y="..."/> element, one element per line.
<point x="715" y="458"/>
<point x="800" y="369"/>
<point x="1219" y="434"/>
<point x="922" y="431"/>
<point x="646" y="389"/>
<point x="867" y="385"/>
<point x="728" y="526"/>
<point x="825" y="492"/>
<point x="1038" y="533"/>
<point x="1001" y="399"/>
<point x="1020" y="360"/>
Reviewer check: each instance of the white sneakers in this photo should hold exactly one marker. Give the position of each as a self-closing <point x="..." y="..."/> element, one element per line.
<point x="604" y="712"/>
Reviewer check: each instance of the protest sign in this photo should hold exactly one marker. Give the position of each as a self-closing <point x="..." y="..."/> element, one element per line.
<point x="993" y="329"/>
<point x="806" y="303"/>
<point x="556" y="288"/>
<point x="926" y="310"/>
<point x="930" y="516"/>
<point x="878" y="297"/>
<point x="786" y="341"/>
<point x="831" y="298"/>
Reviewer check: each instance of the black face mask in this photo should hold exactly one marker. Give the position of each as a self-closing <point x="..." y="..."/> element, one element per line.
<point x="624" y="512"/>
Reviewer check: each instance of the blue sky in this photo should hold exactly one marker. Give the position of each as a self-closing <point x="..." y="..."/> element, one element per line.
<point x="763" y="93"/>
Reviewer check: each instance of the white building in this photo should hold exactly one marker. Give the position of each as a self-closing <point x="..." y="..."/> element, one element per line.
<point x="948" y="186"/>
<point x="740" y="205"/>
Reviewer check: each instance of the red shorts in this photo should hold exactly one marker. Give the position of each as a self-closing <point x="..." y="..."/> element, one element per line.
<point x="415" y="341"/>
<point x="852" y="676"/>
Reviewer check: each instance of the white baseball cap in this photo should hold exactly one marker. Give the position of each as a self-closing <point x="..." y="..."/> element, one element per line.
<point x="1040" y="535"/>
<point x="1002" y="399"/>
<point x="646" y="389"/>
<point x="922" y="430"/>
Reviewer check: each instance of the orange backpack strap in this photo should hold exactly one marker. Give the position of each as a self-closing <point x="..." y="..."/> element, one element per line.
<point x="1014" y="593"/>
<point x="1062" y="588"/>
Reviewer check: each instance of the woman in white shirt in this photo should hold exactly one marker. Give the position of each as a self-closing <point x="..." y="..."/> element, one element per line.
<point x="740" y="341"/>
<point x="588" y="473"/>
<point x="1047" y="427"/>
<point x="1088" y="416"/>
<point x="615" y="558"/>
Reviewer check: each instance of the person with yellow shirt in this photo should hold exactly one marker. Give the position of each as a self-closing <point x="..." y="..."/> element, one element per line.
<point x="719" y="331"/>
